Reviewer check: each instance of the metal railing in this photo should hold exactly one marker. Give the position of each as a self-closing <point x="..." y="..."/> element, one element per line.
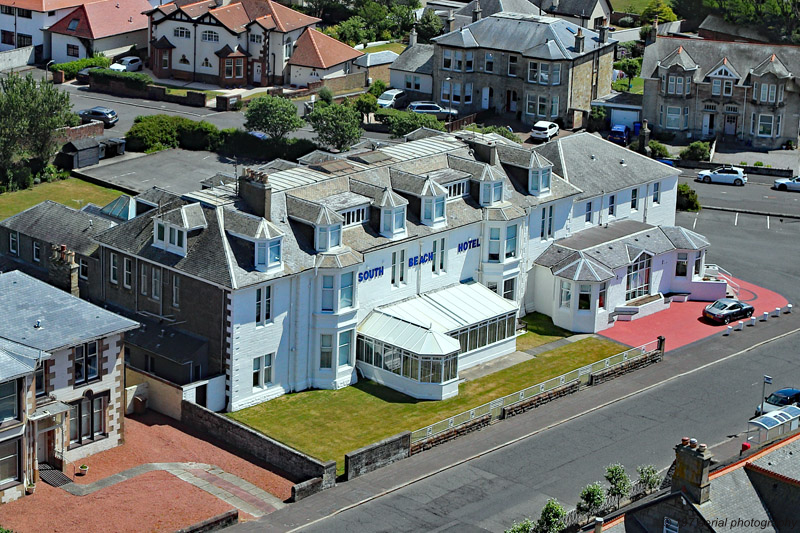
<point x="638" y="491"/>
<point x="495" y="407"/>
<point x="725" y="276"/>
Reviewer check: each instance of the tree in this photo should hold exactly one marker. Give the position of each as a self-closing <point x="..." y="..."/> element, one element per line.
<point x="658" y="8"/>
<point x="375" y="18"/>
<point x="592" y="498"/>
<point x="552" y="518"/>
<point x="336" y="125"/>
<point x="366" y="104"/>
<point x="648" y="475"/>
<point x="619" y="481"/>
<point x="404" y="122"/>
<point x="325" y="95"/>
<point x="275" y="116"/>
<point x="687" y="198"/>
<point x="692" y="10"/>
<point x="429" y="26"/>
<point x="697" y="151"/>
<point x="631" y="67"/>
<point x="526" y="526"/>
<point x="377" y="88"/>
<point x="352" y="31"/>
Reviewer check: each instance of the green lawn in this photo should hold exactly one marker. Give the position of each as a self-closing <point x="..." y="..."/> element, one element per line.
<point x="541" y="330"/>
<point x="71" y="192"/>
<point x="629" y="6"/>
<point x="397" y="48"/>
<point x="329" y="423"/>
<point x="636" y="88"/>
<point x="181" y="91"/>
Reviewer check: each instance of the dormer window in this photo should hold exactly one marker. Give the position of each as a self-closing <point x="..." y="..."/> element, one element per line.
<point x="393" y="221"/>
<point x="268" y="254"/>
<point x="329" y="237"/>
<point x="176" y="237"/>
<point x="170" y="238"/>
<point x="433" y="210"/>
<point x="492" y="193"/>
<point x="539" y="180"/>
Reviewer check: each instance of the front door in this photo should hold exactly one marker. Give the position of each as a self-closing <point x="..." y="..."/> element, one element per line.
<point x="257" y="73"/>
<point x="708" y="124"/>
<point x="511" y="101"/>
<point x="730" y="125"/>
<point x="485" y="98"/>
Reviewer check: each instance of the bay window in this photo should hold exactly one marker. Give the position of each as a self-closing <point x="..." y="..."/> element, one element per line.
<point x="87" y="419"/>
<point x="511" y="241"/>
<point x="326" y="351"/>
<point x="765" y="125"/>
<point x="554" y="106"/>
<point x="447" y="60"/>
<point x="10" y="461"/>
<point x="681" y="264"/>
<point x="565" y="294"/>
<point x="393" y="221"/>
<point x="512" y="66"/>
<point x="433" y="209"/>
<point x="346" y="291"/>
<point x="9" y="401"/>
<point x="584" y="297"/>
<point x="542" y="108"/>
<point x="488" y="62"/>
<point x="533" y="71"/>
<point x="673" y="118"/>
<point x="601" y="296"/>
<point x="445" y="91"/>
<point x="345" y="341"/>
<point x="469" y="62"/>
<point x="544" y="74"/>
<point x="638" y="278"/>
<point x="327" y="294"/>
<point x="508" y="289"/>
<point x="494" y="245"/>
<point x="329" y="237"/>
<point x="492" y="192"/>
<point x="555" y="74"/>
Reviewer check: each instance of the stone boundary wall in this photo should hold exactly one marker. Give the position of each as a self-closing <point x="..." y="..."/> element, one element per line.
<point x="707" y="165"/>
<point x="628" y="366"/>
<point x="249" y="441"/>
<point x="473" y="425"/>
<point x="377" y="455"/>
<point x="540" y="399"/>
<point x="306" y="489"/>
<point x="18" y="57"/>
<point x="153" y="92"/>
<point x="214" y="523"/>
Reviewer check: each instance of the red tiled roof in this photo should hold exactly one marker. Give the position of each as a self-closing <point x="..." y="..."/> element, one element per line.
<point x="238" y="14"/>
<point x="104" y="19"/>
<point x="315" y="49"/>
<point x="232" y="16"/>
<point x="43" y="5"/>
<point x="285" y="19"/>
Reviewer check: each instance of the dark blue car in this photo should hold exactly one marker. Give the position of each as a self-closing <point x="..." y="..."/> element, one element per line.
<point x="620" y="134"/>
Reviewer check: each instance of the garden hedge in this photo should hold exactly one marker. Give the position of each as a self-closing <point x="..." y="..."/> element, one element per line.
<point x="72" y="68"/>
<point x="133" y="80"/>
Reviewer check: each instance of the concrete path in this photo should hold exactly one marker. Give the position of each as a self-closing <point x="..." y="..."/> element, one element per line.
<point x="229" y="488"/>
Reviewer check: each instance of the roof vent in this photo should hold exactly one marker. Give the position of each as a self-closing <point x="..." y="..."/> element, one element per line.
<point x="38" y="325"/>
<point x="593" y="157"/>
<point x="622" y="162"/>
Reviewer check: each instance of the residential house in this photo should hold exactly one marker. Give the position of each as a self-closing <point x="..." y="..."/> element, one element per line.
<point x="376" y="64"/>
<point x="22" y="22"/>
<point x="408" y="262"/>
<point x="413" y="69"/>
<point x="593" y="14"/>
<point x="32" y="241"/>
<point x="476" y="9"/>
<point x="225" y="43"/>
<point x="702" y="89"/>
<point x="106" y="27"/>
<point x="716" y="28"/>
<point x="319" y="57"/>
<point x="74" y="405"/>
<point x="537" y="68"/>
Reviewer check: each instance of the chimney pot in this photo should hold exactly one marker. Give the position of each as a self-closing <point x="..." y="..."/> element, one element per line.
<point x="702" y="447"/>
<point x="693" y="443"/>
<point x="579" y="41"/>
<point x="412" y="36"/>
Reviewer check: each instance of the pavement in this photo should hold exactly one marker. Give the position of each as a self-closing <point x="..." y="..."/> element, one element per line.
<point x="734" y="154"/>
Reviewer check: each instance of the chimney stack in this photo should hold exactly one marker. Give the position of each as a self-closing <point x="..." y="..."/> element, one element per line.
<point x="476" y="13"/>
<point x="412" y="36"/>
<point x="451" y="21"/>
<point x="604" y="32"/>
<point x="692" y="464"/>
<point x="63" y="271"/>
<point x="256" y="191"/>
<point x="644" y="139"/>
<point x="579" y="41"/>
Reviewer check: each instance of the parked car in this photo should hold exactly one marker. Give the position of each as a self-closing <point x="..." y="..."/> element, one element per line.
<point x="729" y="175"/>
<point x="432" y="108"/>
<point x="394" y="98"/>
<point x="726" y="309"/>
<point x="779" y="399"/>
<point x="129" y="64"/>
<point x="103" y="114"/>
<point x="788" y="184"/>
<point x="544" y="130"/>
<point x="620" y="134"/>
<point x="83" y="75"/>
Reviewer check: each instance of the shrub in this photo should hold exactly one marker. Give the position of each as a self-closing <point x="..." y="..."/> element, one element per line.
<point x="198" y="135"/>
<point x="71" y="68"/>
<point x="658" y="150"/>
<point x="648" y="475"/>
<point x="687" y="198"/>
<point x="137" y="81"/>
<point x="325" y="95"/>
<point x="626" y="22"/>
<point x="597" y="119"/>
<point x="697" y="151"/>
<point x="377" y="88"/>
<point x="631" y="48"/>
<point x="551" y="519"/>
<point x="743" y="163"/>
<point x="592" y="498"/>
<point x="239" y="143"/>
<point x="526" y="526"/>
<point x="404" y="122"/>
<point x="153" y="133"/>
<point x="619" y="481"/>
<point x="758" y="164"/>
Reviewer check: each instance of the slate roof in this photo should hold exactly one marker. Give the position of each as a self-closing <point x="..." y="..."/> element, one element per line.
<point x="595" y="165"/>
<point x="415" y="185"/>
<point x="718" y="24"/>
<point x="463" y="16"/>
<point x="317" y="50"/>
<point x="744" y="58"/>
<point x="58" y="224"/>
<point x="573" y="8"/>
<point x="17" y="360"/>
<point x="532" y="36"/>
<point x="96" y="20"/>
<point x="189" y="217"/>
<point x="384" y="57"/>
<point x="417" y="58"/>
<point x="65" y="320"/>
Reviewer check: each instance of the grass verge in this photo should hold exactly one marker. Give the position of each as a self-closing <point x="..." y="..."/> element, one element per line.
<point x="71" y="192"/>
<point x="541" y="330"/>
<point x="329" y="423"/>
<point x="397" y="48"/>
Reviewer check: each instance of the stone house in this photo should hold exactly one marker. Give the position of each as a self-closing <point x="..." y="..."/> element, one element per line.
<point x="61" y="385"/>
<point x="534" y="67"/>
<point x="734" y="91"/>
<point x="412" y="71"/>
<point x="585" y="13"/>
<point x="376" y="65"/>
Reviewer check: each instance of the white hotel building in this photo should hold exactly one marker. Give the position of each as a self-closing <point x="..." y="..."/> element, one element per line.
<point x="408" y="263"/>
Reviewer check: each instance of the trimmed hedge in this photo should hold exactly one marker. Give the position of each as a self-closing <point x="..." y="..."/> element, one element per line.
<point x="404" y="122"/>
<point x="71" y="68"/>
<point x="239" y="143"/>
<point x="133" y="80"/>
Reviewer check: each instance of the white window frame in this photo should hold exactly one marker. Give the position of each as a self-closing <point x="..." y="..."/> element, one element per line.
<point x="602" y="295"/>
<point x="488" y="63"/>
<point x="671" y="85"/>
<point x="447" y="59"/>
<point x="182" y="32"/>
<point x="83" y="268"/>
<point x="176" y="291"/>
<point x="469" y="62"/>
<point x="37" y="252"/>
<point x="512" y="62"/>
<point x="565" y="294"/>
<point x="210" y="36"/>
<point x="15" y="396"/>
<point x="674" y="120"/>
<point x="328" y="237"/>
<point x="439" y="262"/>
<point x="328" y="292"/>
<point x="492" y="192"/>
<point x="634" y="199"/>
<point x="155" y="289"/>
<point x="325" y="351"/>
<point x="398" y="272"/>
<point x="555" y="75"/>
<point x="445" y="91"/>
<point x="716" y="87"/>
<point x="612" y="205"/>
<point x="554" y="105"/>
<point x="656" y="193"/>
<point x="113" y="268"/>
<point x="263" y="313"/>
<point x="510" y="250"/>
<point x="457" y="189"/>
<point x="143" y="279"/>
<point x="533" y="71"/>
<point x="584" y="297"/>
<point x="341" y="345"/>
<point x="510" y="288"/>
<point x="393" y="221"/>
<point x="494" y="245"/>
<point x="541" y="106"/>
<point x="588" y="214"/>
<point x="727" y="87"/>
<point x="127" y="277"/>
<point x="262" y="371"/>
<point x="13" y="242"/>
<point x="546" y="232"/>
<point x="761" y="122"/>
<point x="347" y="291"/>
<point x="468" y="93"/>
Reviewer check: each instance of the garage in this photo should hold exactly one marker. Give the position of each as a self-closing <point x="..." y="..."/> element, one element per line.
<point x="624" y="116"/>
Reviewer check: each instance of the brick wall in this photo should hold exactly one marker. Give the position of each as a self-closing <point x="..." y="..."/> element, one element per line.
<point x="93" y="129"/>
<point x="377" y="455"/>
<point x="354" y="81"/>
<point x="251" y="442"/>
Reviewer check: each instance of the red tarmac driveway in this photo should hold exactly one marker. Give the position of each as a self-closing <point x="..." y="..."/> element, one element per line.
<point x="683" y="324"/>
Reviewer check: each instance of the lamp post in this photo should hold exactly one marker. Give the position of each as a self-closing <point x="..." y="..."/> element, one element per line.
<point x="450" y="101"/>
<point x="47" y="68"/>
<point x="767" y="380"/>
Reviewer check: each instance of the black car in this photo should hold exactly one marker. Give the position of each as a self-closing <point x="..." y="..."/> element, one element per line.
<point x="779" y="399"/>
<point x="104" y="114"/>
<point x="83" y="75"/>
<point x="726" y="309"/>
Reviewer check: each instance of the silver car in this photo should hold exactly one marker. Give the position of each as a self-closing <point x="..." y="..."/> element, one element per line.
<point x="432" y="108"/>
<point x="729" y="175"/>
<point x="788" y="184"/>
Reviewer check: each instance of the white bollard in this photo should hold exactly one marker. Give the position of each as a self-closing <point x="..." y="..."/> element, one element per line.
<point x="788" y="308"/>
<point x="752" y="321"/>
<point x="728" y="330"/>
<point x="777" y="312"/>
<point x="739" y="326"/>
<point x="765" y="316"/>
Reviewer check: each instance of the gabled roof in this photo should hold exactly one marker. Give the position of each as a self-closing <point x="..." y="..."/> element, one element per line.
<point x="533" y="36"/>
<point x="58" y="224"/>
<point x="284" y="18"/>
<point x="679" y="57"/>
<point x="42" y="5"/>
<point x="162" y="43"/>
<point x="407" y="335"/>
<point x="237" y="15"/>
<point x="772" y="65"/>
<point x="227" y="51"/>
<point x="96" y="20"/>
<point x="317" y="50"/>
<point x="251" y="226"/>
<point x="417" y="58"/>
<point x="724" y="63"/>
<point x="717" y="24"/>
<point x="311" y="212"/>
<point x="415" y="185"/>
<point x="574" y="8"/>
<point x="385" y="57"/>
<point x="381" y="196"/>
<point x="64" y="320"/>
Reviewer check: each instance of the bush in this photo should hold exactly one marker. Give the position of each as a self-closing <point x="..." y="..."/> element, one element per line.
<point x="198" y="135"/>
<point x="631" y="49"/>
<point x="687" y="198"/>
<point x="499" y="130"/>
<point x="648" y="475"/>
<point x="153" y="133"/>
<point x="619" y="481"/>
<point x="597" y="119"/>
<point x="239" y="143"/>
<point x="136" y="81"/>
<point x="658" y="150"/>
<point x="404" y="122"/>
<point x="526" y="526"/>
<point x="697" y="151"/>
<point x="377" y="88"/>
<point x="626" y="22"/>
<point x="743" y="163"/>
<point x="758" y="164"/>
<point x="592" y="498"/>
<point x="325" y="95"/>
<point x="71" y="68"/>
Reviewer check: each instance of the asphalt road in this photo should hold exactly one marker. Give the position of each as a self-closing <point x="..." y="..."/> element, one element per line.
<point x="757" y="195"/>
<point x="713" y="404"/>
